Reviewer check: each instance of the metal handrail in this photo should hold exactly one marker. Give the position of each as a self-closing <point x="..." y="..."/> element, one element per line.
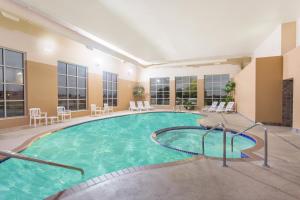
<point x="23" y="157"/>
<point x="224" y="140"/>
<point x="266" y="140"/>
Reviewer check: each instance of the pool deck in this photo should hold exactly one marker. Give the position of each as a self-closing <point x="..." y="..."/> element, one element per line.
<point x="196" y="178"/>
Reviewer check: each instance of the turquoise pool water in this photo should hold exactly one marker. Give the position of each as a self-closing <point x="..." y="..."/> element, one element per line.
<point x="191" y="140"/>
<point x="98" y="147"/>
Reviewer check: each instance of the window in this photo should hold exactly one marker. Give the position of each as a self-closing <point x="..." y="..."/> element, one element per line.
<point x="160" y="91"/>
<point x="72" y="86"/>
<point x="214" y="88"/>
<point x="11" y="83"/>
<point x="186" y="89"/>
<point x="110" y="89"/>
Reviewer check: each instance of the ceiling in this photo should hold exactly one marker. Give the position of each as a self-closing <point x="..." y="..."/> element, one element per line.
<point x="162" y="31"/>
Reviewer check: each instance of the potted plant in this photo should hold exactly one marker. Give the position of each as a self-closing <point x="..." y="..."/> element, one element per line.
<point x="188" y="104"/>
<point x="138" y="92"/>
<point x="229" y="89"/>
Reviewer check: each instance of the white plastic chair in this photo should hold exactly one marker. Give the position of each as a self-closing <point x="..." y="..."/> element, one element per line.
<point x="95" y="110"/>
<point x="36" y="114"/>
<point x="63" y="113"/>
<point x="140" y="106"/>
<point x="213" y="107"/>
<point x="148" y="106"/>
<point x="221" y="107"/>
<point x="132" y="106"/>
<point x="107" y="109"/>
<point x="229" y="107"/>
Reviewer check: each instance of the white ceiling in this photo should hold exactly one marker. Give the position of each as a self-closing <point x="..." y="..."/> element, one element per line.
<point x="171" y="30"/>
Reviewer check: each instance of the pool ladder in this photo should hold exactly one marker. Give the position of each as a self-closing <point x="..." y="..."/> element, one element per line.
<point x="221" y="125"/>
<point x="224" y="140"/>
<point x="11" y="154"/>
<point x="265" y="141"/>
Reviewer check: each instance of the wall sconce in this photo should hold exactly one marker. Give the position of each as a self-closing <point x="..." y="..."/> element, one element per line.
<point x="48" y="45"/>
<point x="130" y="71"/>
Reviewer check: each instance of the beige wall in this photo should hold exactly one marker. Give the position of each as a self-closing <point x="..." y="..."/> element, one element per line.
<point x="291" y="70"/>
<point x="41" y="70"/>
<point x="41" y="85"/>
<point x="288" y="37"/>
<point x="269" y="89"/>
<point x="259" y="90"/>
<point x="41" y="92"/>
<point x="245" y="94"/>
<point x="200" y="93"/>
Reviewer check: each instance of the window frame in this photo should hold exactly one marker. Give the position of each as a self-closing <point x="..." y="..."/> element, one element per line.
<point x="156" y="91"/>
<point x="77" y="88"/>
<point x="105" y="91"/>
<point x="182" y="98"/>
<point x="221" y="83"/>
<point x="4" y="83"/>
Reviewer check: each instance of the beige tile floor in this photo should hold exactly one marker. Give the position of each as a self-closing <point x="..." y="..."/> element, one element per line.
<point x="200" y="179"/>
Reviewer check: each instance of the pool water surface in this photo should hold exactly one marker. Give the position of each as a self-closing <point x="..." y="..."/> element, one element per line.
<point x="99" y="147"/>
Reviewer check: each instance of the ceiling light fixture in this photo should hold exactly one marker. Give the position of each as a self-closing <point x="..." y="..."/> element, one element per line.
<point x="82" y="32"/>
<point x="10" y="16"/>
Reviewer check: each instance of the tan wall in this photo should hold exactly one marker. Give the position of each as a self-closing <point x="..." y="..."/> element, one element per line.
<point x="269" y="89"/>
<point x="124" y="94"/>
<point x="245" y="93"/>
<point x="41" y="92"/>
<point x="200" y="93"/>
<point x="259" y="90"/>
<point x="291" y="70"/>
<point x="41" y="70"/>
<point x="172" y="93"/>
<point x="288" y="37"/>
<point x="41" y="85"/>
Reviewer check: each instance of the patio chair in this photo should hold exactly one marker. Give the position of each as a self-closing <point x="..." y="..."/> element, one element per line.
<point x="132" y="106"/>
<point x="221" y="107"/>
<point x="211" y="108"/>
<point x="229" y="107"/>
<point x="140" y="106"/>
<point x="36" y="114"/>
<point x="63" y="113"/>
<point x="148" y="106"/>
<point x="107" y="109"/>
<point x="95" y="110"/>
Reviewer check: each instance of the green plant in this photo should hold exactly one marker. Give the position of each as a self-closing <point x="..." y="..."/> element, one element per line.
<point x="188" y="104"/>
<point x="229" y="89"/>
<point x="138" y="92"/>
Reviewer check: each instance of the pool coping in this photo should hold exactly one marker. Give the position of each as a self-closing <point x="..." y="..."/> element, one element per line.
<point x="129" y="171"/>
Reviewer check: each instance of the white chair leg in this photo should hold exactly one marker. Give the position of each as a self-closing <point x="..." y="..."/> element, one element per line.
<point x="30" y="122"/>
<point x="34" y="122"/>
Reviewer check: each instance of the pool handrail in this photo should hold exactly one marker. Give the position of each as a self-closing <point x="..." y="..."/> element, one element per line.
<point x="224" y="140"/>
<point x="12" y="154"/>
<point x="266" y="140"/>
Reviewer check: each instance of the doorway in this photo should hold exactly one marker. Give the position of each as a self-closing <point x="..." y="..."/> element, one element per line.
<point x="287" y="103"/>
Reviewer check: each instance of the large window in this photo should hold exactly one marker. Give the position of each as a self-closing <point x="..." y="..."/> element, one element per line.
<point x="110" y="89"/>
<point x="72" y="86"/>
<point x="160" y="91"/>
<point x="11" y="83"/>
<point x="214" y="88"/>
<point x="186" y="90"/>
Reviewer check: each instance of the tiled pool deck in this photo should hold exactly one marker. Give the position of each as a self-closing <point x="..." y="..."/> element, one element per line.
<point x="197" y="178"/>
